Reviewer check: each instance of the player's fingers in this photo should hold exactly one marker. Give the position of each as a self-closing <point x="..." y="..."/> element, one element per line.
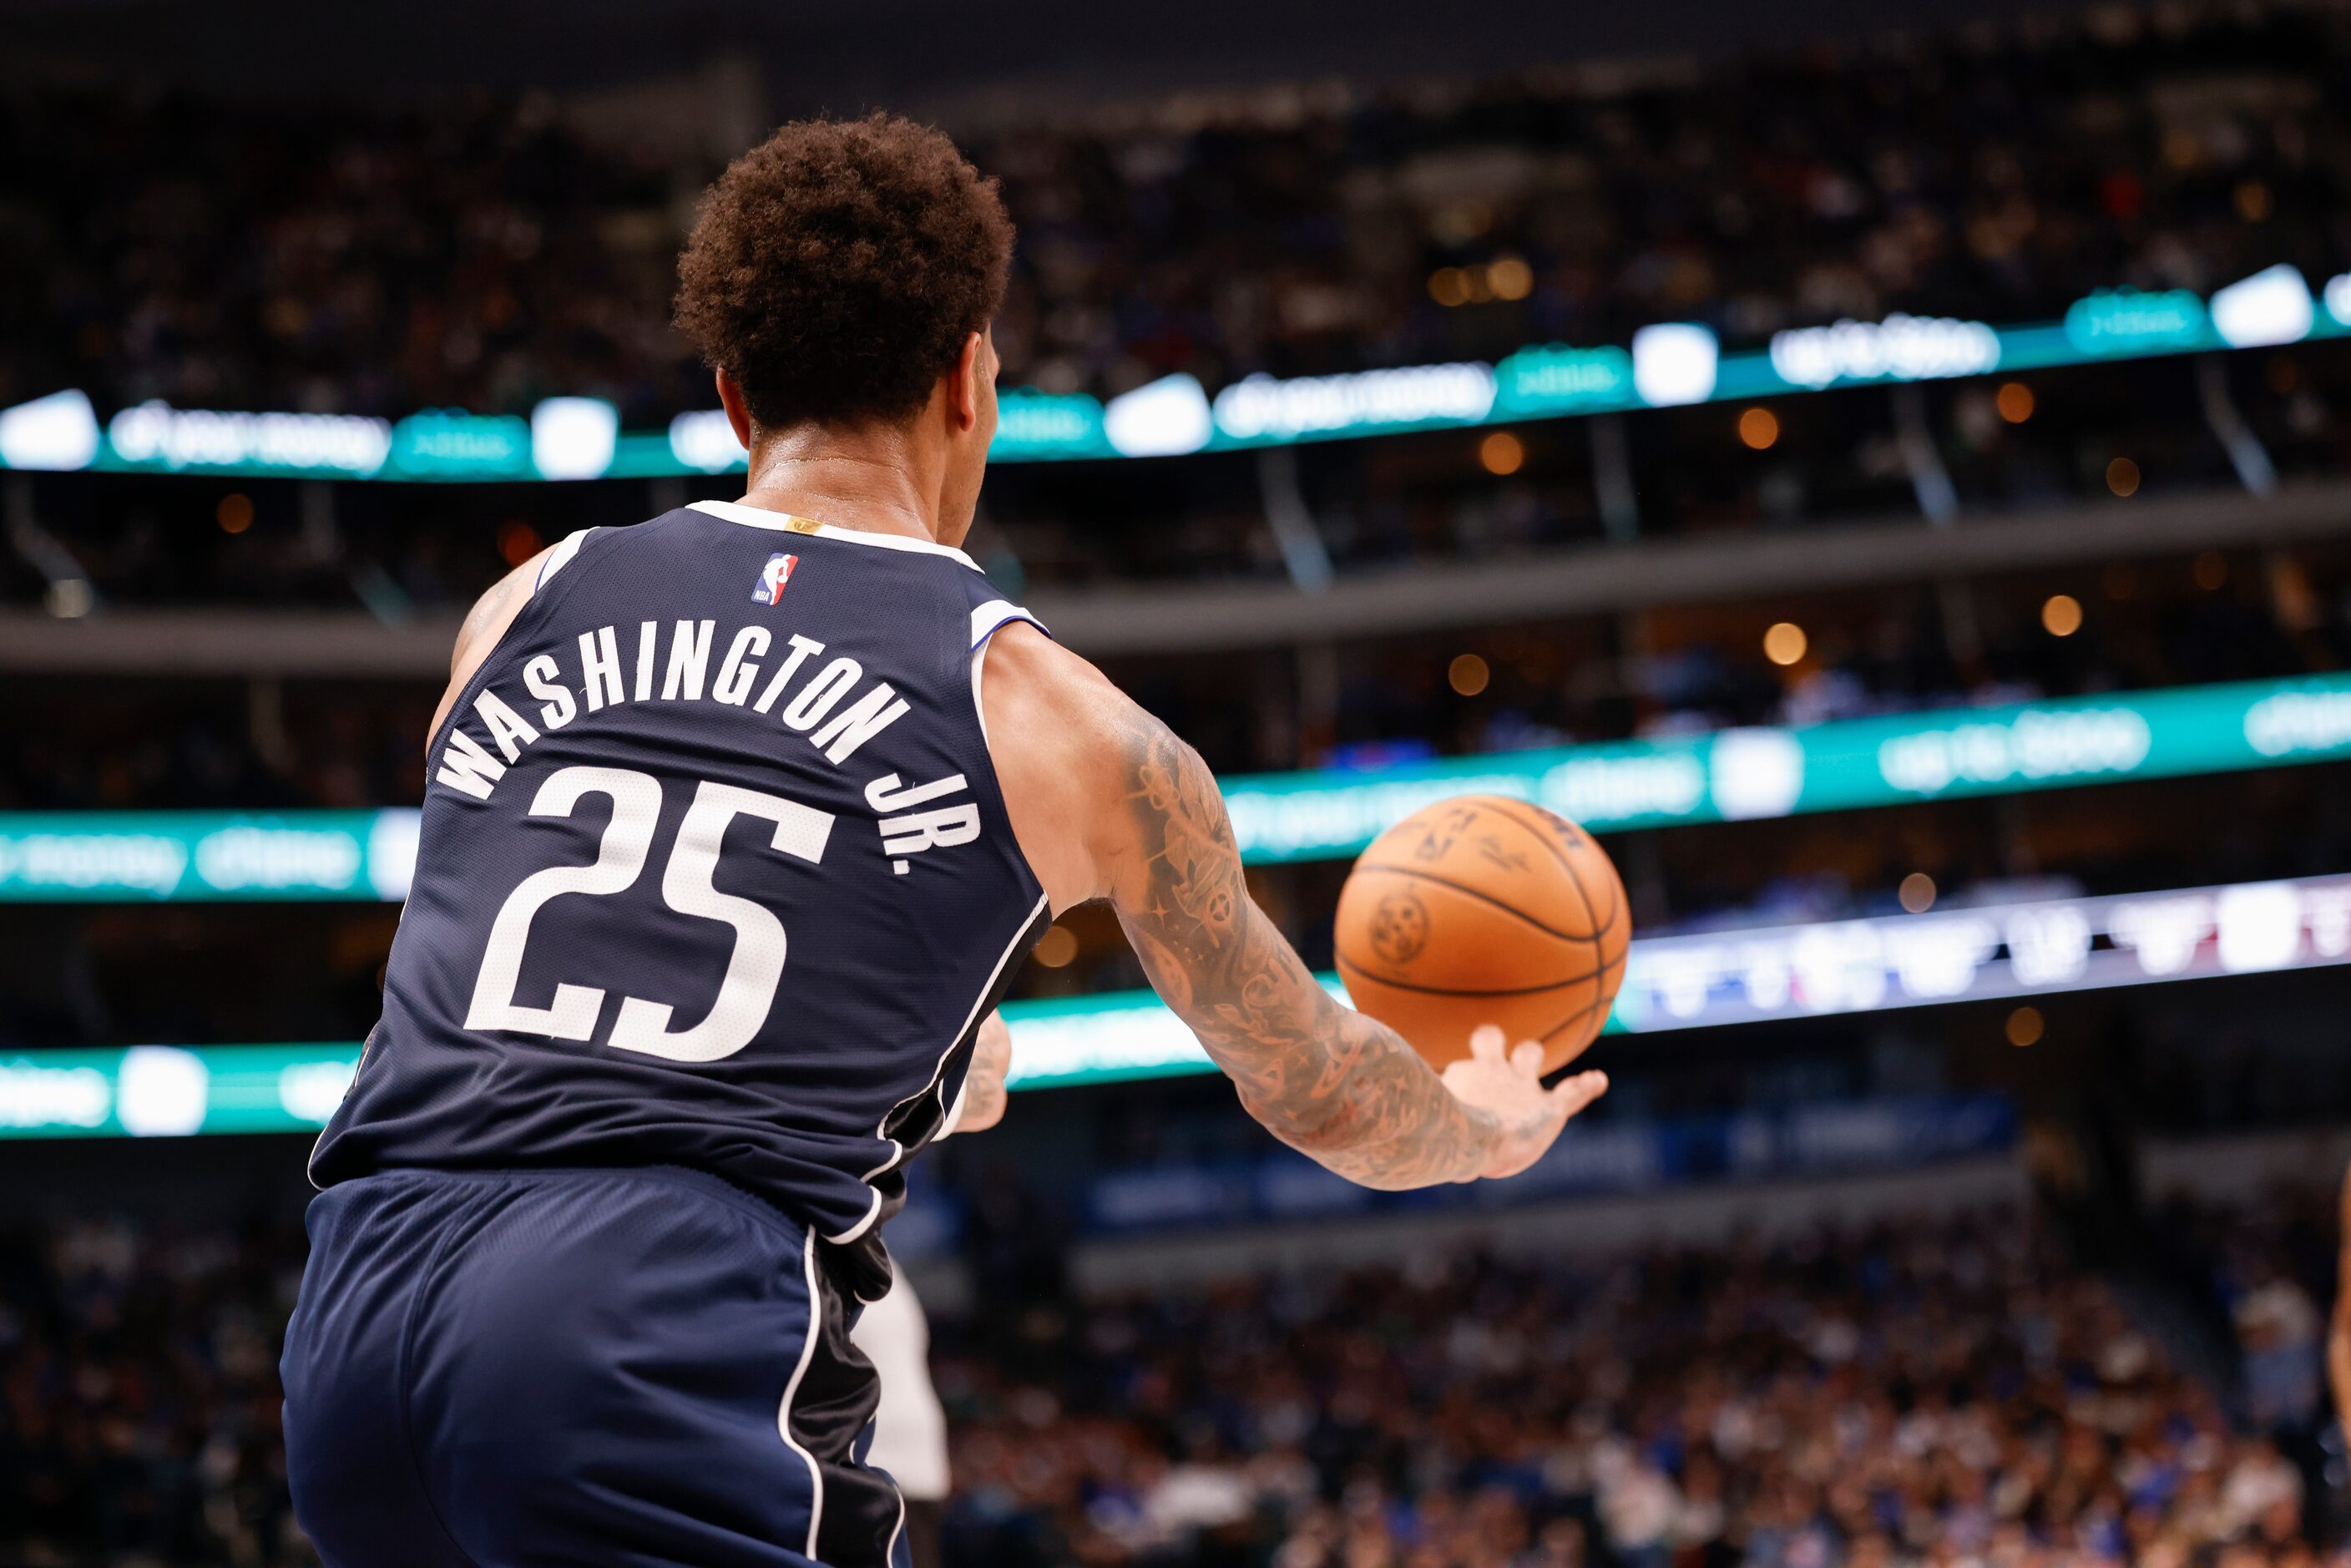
<point x="1574" y="1094"/>
<point x="1486" y="1044"/>
<point x="1527" y="1057"/>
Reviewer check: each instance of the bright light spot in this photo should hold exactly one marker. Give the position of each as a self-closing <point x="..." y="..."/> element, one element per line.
<point x="1466" y="674"/>
<point x="70" y="598"/>
<point x="1917" y="893"/>
<point x="2060" y="615"/>
<point x="2025" y="1027"/>
<point x="1758" y="428"/>
<point x="1674" y="363"/>
<point x="1165" y="418"/>
<point x="2274" y="306"/>
<point x="162" y="1091"/>
<point x="2015" y="401"/>
<point x="1785" y="643"/>
<point x="1510" y="279"/>
<point x="573" y="437"/>
<point x="701" y="438"/>
<point x="235" y="513"/>
<point x="1502" y="453"/>
<point x="58" y="434"/>
<point x="2122" y="477"/>
<point x="1449" y="286"/>
<point x="1055" y="948"/>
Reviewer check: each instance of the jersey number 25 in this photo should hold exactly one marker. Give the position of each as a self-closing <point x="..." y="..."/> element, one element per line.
<point x="753" y="969"/>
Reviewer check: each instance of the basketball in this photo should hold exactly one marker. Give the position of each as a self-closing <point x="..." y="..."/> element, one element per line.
<point x="1485" y="910"/>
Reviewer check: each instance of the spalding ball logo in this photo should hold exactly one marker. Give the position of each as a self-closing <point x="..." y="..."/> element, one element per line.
<point x="1399" y="926"/>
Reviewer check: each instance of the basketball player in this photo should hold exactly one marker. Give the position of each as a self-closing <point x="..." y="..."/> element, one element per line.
<point x="738" y="823"/>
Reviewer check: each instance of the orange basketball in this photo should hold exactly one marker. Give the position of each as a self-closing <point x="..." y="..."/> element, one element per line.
<point x="1485" y="910"/>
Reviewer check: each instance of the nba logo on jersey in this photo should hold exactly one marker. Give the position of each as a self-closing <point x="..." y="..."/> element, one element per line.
<point x="772" y="579"/>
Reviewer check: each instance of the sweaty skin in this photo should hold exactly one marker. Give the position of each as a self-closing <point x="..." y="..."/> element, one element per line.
<point x="1107" y="803"/>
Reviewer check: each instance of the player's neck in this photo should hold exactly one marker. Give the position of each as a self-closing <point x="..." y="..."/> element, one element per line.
<point x="877" y="480"/>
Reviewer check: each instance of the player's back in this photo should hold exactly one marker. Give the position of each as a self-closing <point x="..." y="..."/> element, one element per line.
<point x="713" y="871"/>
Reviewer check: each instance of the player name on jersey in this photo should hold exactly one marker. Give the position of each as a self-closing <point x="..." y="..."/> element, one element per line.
<point x="817" y="707"/>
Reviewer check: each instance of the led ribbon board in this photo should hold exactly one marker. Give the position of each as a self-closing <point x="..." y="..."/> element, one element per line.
<point x="1668" y="365"/>
<point x="1731" y="775"/>
<point x="1818" y="970"/>
<point x="112" y="857"/>
<point x="1689" y="981"/>
<point x="1744" y="774"/>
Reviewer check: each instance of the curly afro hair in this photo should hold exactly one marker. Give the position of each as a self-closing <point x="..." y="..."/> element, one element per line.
<point x="835" y="269"/>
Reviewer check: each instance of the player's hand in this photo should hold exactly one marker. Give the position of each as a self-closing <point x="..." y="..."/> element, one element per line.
<point x="983" y="1086"/>
<point x="1507" y="1085"/>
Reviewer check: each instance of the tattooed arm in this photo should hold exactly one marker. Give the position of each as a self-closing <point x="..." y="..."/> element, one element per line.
<point x="1109" y="803"/>
<point x="981" y="1104"/>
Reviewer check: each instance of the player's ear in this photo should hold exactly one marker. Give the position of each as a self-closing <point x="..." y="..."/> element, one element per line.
<point x="738" y="413"/>
<point x="971" y="380"/>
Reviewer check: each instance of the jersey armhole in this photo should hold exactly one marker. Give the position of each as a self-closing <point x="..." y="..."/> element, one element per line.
<point x="560" y="557"/>
<point x="987" y="620"/>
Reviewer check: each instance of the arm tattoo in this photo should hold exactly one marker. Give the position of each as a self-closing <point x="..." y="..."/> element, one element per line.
<point x="482" y="617"/>
<point x="983" y="1083"/>
<point x="1330" y="1082"/>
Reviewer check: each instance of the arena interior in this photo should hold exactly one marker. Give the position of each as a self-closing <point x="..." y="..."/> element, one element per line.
<point x="1888" y="475"/>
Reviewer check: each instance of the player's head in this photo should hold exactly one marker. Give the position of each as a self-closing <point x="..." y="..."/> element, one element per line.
<point x="842" y="274"/>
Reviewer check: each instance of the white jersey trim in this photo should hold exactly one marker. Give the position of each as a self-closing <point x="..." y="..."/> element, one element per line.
<point x="785" y="522"/>
<point x="565" y="549"/>
<point x="987" y="620"/>
<point x="970" y="1022"/>
<point x="954" y="1113"/>
<point x="784" y="1415"/>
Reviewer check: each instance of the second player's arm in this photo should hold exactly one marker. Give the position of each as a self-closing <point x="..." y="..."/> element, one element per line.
<point x="1142" y="821"/>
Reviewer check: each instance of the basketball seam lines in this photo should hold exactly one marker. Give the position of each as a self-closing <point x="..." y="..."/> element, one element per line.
<point x="1541" y="836"/>
<point x="1465" y="889"/>
<point x="1502" y="991"/>
<point x="1584" y="1011"/>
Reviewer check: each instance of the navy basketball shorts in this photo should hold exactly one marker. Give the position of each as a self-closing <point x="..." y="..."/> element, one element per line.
<point x="509" y="1369"/>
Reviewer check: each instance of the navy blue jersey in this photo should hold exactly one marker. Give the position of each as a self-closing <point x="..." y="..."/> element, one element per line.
<point x="714" y="872"/>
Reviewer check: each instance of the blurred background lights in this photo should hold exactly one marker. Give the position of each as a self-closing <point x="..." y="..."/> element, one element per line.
<point x="1785" y="643"/>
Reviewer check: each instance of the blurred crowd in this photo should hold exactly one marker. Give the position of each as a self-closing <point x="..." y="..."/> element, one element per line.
<point x="1925" y="1392"/>
<point x="485" y="252"/>
<point x="1933" y="1391"/>
<point x="139" y="1397"/>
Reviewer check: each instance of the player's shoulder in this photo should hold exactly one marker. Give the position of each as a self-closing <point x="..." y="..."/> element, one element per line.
<point x="1034" y="688"/>
<point x="1067" y="747"/>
